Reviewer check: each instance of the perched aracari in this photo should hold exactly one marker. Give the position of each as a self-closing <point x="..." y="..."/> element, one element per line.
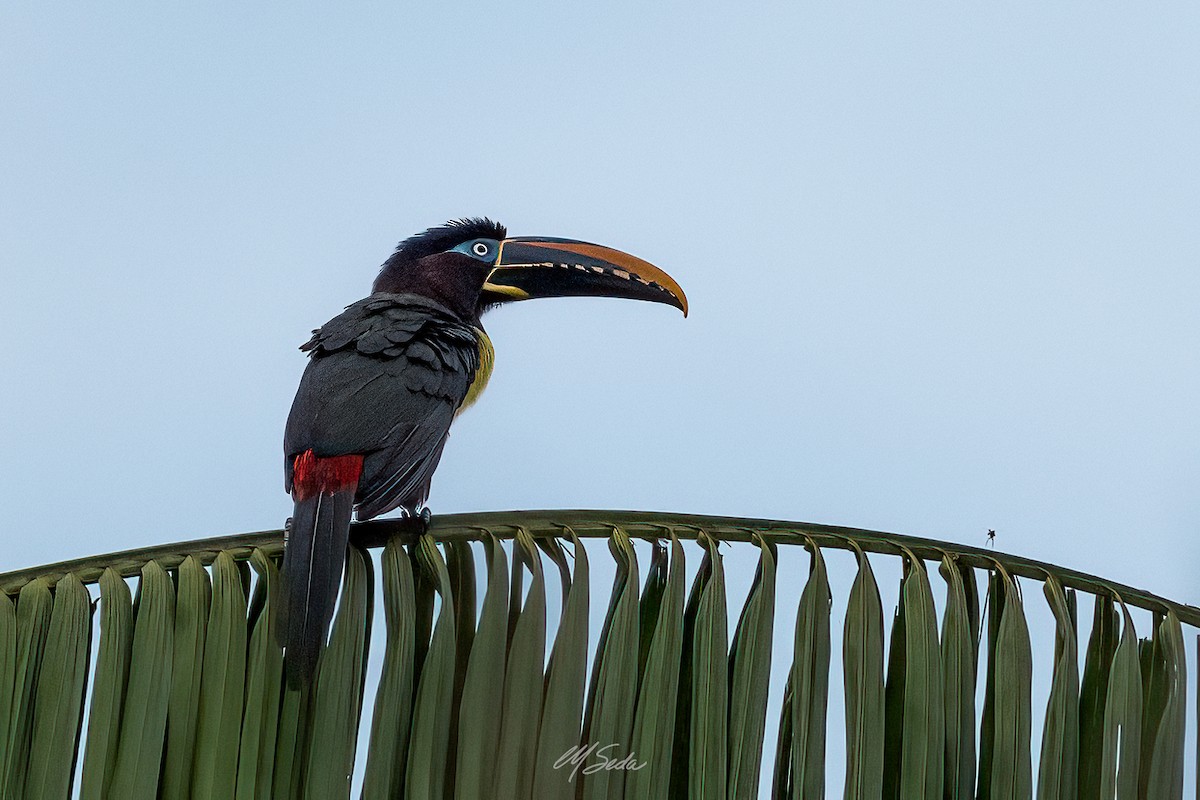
<point x="388" y="375"/>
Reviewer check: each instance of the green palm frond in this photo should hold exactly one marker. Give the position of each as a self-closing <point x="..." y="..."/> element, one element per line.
<point x="484" y="691"/>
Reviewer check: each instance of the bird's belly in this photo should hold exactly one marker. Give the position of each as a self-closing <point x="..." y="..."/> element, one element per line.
<point x="487" y="359"/>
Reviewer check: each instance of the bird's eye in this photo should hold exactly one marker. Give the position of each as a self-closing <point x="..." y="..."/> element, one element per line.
<point x="479" y="249"/>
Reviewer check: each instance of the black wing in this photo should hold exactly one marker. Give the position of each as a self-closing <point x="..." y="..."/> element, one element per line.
<point x="384" y="382"/>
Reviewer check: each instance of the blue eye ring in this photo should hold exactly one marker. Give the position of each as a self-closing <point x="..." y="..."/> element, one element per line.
<point x="484" y="250"/>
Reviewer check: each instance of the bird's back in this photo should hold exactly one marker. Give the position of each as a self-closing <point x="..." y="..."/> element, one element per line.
<point x="385" y="379"/>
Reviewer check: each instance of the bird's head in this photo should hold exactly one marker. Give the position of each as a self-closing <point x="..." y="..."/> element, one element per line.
<point x="469" y="265"/>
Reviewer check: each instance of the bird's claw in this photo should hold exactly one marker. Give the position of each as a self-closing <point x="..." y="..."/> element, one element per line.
<point x="420" y="518"/>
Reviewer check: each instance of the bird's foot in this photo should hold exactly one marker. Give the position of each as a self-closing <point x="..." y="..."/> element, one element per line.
<point x="419" y="517"/>
<point x="287" y="531"/>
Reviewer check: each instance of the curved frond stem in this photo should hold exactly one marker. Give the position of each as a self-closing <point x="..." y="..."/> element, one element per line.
<point x="599" y="525"/>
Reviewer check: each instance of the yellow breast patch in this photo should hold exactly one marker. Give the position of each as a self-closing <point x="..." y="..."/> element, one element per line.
<point x="487" y="359"/>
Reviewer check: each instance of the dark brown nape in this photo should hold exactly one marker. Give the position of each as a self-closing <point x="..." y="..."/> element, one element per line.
<point x="452" y="279"/>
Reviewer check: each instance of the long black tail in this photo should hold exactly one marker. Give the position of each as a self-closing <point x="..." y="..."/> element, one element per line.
<point x="312" y="570"/>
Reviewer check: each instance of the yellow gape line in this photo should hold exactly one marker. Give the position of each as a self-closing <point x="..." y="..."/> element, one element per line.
<point x="487" y="359"/>
<point x="507" y="291"/>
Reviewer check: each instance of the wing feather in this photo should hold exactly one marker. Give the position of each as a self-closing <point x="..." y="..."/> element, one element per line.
<point x="385" y="379"/>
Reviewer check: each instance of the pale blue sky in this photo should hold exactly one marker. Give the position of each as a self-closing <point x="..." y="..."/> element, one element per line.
<point x="942" y="261"/>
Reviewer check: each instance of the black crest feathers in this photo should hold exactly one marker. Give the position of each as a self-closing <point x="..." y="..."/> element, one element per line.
<point x="444" y="237"/>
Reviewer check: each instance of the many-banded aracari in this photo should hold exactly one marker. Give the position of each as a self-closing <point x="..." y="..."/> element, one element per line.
<point x="386" y="378"/>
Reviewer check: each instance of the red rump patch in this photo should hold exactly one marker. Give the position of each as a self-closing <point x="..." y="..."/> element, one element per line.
<point x="312" y="475"/>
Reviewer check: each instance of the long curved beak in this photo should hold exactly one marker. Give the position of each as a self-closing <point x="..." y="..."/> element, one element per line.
<point x="534" y="266"/>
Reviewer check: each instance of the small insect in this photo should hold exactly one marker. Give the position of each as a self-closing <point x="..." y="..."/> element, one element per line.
<point x="991" y="538"/>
